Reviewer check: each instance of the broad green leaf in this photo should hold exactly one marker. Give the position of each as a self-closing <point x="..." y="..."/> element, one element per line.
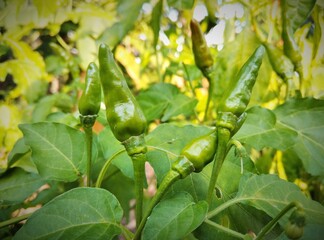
<point x="81" y="213"/>
<point x="155" y="21"/>
<point x="165" y="101"/>
<point x="114" y="34"/>
<point x="58" y="150"/>
<point x="297" y="11"/>
<point x="261" y="129"/>
<point x="305" y="118"/>
<point x="181" y="104"/>
<point x="175" y="217"/>
<point x="271" y="194"/>
<point x="155" y="99"/>
<point x="16" y="185"/>
<point x="181" y="4"/>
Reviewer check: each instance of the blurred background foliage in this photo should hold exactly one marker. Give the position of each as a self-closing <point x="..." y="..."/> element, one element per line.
<point x="45" y="47"/>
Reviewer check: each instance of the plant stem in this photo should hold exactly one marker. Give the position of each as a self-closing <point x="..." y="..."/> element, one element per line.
<point x="14" y="220"/>
<point x="104" y="169"/>
<point x="225" y="229"/>
<point x="274" y="221"/>
<point x="208" y="73"/>
<point x="139" y="176"/>
<point x="223" y="136"/>
<point x="223" y="207"/>
<point x="88" y="132"/>
<point x="168" y="180"/>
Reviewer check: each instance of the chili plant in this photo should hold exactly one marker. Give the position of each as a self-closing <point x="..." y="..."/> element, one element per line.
<point x="134" y="163"/>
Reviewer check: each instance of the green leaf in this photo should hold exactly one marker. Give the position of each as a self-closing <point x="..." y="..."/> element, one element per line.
<point x="181" y="104"/>
<point x="114" y="34"/>
<point x="81" y="213"/>
<point x="261" y="129"/>
<point x="16" y="185"/>
<point x="20" y="156"/>
<point x="165" y="101"/>
<point x="155" y="21"/>
<point x="181" y="4"/>
<point x="297" y="11"/>
<point x="58" y="150"/>
<point x="175" y="217"/>
<point x="305" y="118"/>
<point x="271" y="194"/>
<point x="155" y="99"/>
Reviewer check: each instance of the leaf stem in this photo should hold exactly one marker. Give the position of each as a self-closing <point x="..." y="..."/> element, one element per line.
<point x="106" y="166"/>
<point x="88" y="132"/>
<point x="223" y="207"/>
<point x="274" y="221"/>
<point x="14" y="220"/>
<point x="225" y="229"/>
<point x="223" y="136"/>
<point x="168" y="180"/>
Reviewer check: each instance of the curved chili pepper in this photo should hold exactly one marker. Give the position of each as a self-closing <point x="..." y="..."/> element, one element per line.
<point x="125" y="118"/>
<point x="231" y="109"/>
<point x="238" y="94"/>
<point x="202" y="55"/>
<point x="280" y="63"/>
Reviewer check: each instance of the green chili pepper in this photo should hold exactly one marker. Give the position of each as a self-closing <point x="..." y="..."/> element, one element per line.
<point x="237" y="96"/>
<point x="290" y="46"/>
<point x="280" y="63"/>
<point x="89" y="106"/>
<point x="124" y="115"/>
<point x="125" y="118"/>
<point x="295" y="226"/>
<point x="200" y="151"/>
<point x="203" y="57"/>
<point x="89" y="103"/>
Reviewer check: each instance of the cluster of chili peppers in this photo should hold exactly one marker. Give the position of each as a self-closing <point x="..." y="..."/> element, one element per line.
<point x="128" y="124"/>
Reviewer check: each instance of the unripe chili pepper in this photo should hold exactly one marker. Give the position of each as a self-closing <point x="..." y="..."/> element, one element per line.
<point x="203" y="57"/>
<point x="280" y="63"/>
<point x="295" y="227"/>
<point x="238" y="94"/>
<point x="89" y="103"/>
<point x="291" y="49"/>
<point x="290" y="46"/>
<point x="125" y="118"/>
<point x="200" y="151"/>
<point x="124" y="114"/>
<point x="89" y="106"/>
